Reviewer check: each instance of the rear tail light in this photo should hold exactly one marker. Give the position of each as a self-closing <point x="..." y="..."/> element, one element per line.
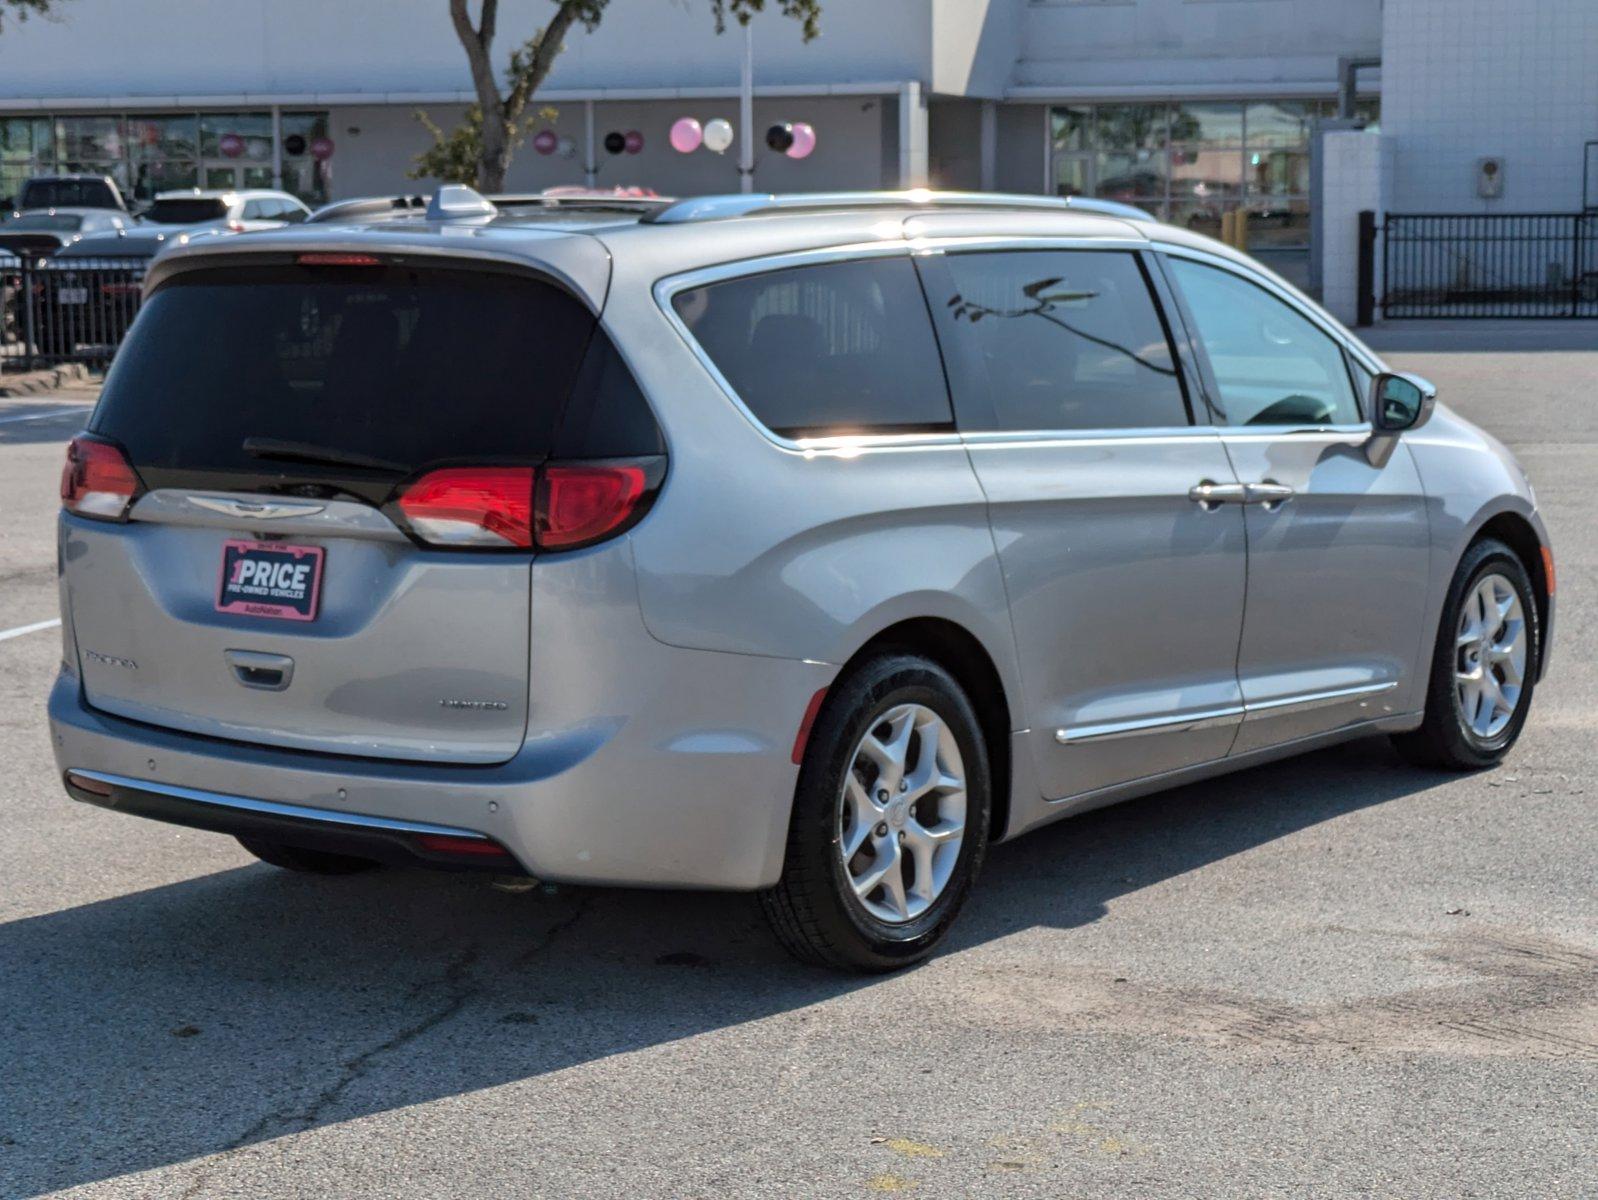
<point x="98" y="481"/>
<point x="444" y="843"/>
<point x="579" y="504"/>
<point x="472" y="506"/>
<point x="560" y="506"/>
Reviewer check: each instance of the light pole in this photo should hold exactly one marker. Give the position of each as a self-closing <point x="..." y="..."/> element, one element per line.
<point x="746" y="114"/>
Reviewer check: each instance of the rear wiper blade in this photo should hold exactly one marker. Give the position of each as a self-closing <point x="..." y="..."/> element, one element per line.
<point x="307" y="452"/>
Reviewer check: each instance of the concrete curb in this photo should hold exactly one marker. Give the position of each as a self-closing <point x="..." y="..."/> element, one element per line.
<point x="32" y="383"/>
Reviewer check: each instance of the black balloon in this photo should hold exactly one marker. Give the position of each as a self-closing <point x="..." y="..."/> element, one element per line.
<point x="780" y="137"/>
<point x="615" y="142"/>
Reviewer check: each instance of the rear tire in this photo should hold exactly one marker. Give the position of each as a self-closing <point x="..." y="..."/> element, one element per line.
<point x="1491" y="608"/>
<point x="895" y="770"/>
<point x="297" y="858"/>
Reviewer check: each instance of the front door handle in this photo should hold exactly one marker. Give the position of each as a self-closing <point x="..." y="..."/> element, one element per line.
<point x="1210" y="495"/>
<point x="1271" y="495"/>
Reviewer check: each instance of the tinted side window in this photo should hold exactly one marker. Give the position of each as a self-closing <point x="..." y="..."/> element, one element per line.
<point x="834" y="348"/>
<point x="1272" y="365"/>
<point x="1061" y="339"/>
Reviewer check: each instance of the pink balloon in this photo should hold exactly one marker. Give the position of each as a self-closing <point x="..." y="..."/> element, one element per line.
<point x="545" y="141"/>
<point x="686" y="135"/>
<point x="634" y="143"/>
<point x="804" y="141"/>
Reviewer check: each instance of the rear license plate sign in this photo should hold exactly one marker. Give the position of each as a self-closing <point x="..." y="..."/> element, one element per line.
<point x="270" y="579"/>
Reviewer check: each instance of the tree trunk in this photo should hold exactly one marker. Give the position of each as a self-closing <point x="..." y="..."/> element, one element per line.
<point x="494" y="159"/>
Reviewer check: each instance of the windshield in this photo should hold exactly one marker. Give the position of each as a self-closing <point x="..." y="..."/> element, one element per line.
<point x="392" y="364"/>
<point x="186" y="212"/>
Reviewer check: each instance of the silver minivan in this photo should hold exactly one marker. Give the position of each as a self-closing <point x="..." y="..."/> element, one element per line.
<point x="804" y="545"/>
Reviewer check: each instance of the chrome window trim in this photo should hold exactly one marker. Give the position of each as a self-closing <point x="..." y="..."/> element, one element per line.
<point x="666" y="289"/>
<point x="274" y="808"/>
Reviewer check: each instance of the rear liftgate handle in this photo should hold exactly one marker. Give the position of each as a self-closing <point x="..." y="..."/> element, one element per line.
<point x="265" y="672"/>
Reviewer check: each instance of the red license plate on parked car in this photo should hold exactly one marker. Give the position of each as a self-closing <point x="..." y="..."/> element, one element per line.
<point x="270" y="579"/>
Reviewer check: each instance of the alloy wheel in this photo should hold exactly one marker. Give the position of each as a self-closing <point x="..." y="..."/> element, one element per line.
<point x="901" y="816"/>
<point x="1490" y="656"/>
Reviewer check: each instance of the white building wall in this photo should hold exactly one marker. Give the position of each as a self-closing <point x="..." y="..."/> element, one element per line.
<point x="1124" y="47"/>
<point x="1463" y="79"/>
<point x="115" y="48"/>
<point x="1357" y="166"/>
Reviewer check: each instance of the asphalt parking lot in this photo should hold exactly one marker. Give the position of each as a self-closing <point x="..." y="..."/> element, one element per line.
<point x="1334" y="976"/>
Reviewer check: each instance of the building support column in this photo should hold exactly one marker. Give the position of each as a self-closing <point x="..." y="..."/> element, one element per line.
<point x="988" y="141"/>
<point x="913" y="163"/>
<point x="590" y="166"/>
<point x="277" y="146"/>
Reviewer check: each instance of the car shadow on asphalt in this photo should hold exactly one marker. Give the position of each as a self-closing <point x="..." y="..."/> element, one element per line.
<point x="223" y="1011"/>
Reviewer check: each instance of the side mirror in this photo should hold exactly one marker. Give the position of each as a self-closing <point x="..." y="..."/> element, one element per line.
<point x="1397" y="403"/>
<point x="1400" y="402"/>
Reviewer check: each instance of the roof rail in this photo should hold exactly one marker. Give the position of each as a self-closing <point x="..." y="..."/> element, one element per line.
<point x="716" y="208"/>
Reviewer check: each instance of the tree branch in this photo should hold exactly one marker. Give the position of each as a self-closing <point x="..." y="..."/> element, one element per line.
<point x="476" y="42"/>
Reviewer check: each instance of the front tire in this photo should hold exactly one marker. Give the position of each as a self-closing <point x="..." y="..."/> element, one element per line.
<point x="890" y="819"/>
<point x="1484" y="665"/>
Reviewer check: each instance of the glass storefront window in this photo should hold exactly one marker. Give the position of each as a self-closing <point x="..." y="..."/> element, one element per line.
<point x="1284" y="123"/>
<point x="1130" y="176"/>
<point x="1130" y="127"/>
<point x="90" y="138"/>
<point x="1207" y="125"/>
<point x="1206" y="172"/>
<point x="155" y="138"/>
<point x="1278" y="172"/>
<point x="1072" y="128"/>
<point x="249" y="134"/>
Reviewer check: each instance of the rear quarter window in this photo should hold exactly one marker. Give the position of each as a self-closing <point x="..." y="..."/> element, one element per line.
<point x="834" y="348"/>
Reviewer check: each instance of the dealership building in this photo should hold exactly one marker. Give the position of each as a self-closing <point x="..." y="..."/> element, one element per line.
<point x="1188" y="108"/>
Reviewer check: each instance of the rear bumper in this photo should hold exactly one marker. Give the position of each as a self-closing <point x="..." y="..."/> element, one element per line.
<point x="400" y="843"/>
<point x="693" y="790"/>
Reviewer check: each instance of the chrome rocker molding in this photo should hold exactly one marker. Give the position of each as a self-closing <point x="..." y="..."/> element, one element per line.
<point x="1231" y="715"/>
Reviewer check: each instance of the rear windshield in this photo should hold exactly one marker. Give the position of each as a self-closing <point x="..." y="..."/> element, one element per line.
<point x="395" y="366"/>
<point x="186" y="212"/>
<point x="67" y="193"/>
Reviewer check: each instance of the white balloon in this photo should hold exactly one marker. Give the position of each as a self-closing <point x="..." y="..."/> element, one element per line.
<point x="718" y="135"/>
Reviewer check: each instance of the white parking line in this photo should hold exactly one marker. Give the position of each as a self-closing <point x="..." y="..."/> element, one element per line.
<point x="34" y="628"/>
<point x="59" y="412"/>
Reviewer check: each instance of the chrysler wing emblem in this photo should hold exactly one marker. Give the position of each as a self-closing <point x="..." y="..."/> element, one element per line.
<point x="259" y="509"/>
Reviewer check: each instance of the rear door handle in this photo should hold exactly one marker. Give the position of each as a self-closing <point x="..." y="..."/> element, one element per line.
<point x="1271" y="495"/>
<point x="1210" y="495"/>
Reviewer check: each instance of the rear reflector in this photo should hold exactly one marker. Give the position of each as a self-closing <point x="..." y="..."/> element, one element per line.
<point x="1548" y="567"/>
<point x="84" y="784"/>
<point x="806" y="723"/>
<point x="331" y="259"/>
<point x="443" y="843"/>
<point x="472" y="506"/>
<point x="97" y="481"/>
<point x="582" y="503"/>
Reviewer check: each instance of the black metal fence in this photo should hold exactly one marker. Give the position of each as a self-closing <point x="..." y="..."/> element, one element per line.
<point x="55" y="310"/>
<point x="1488" y="265"/>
